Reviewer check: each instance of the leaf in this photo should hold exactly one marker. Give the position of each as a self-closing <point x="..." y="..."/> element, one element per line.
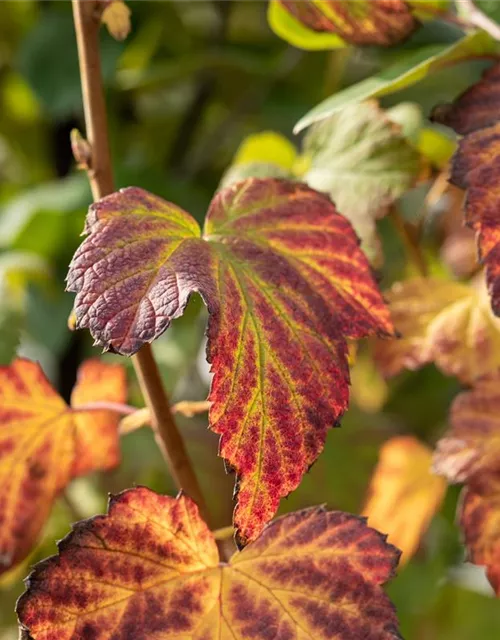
<point x="116" y="17"/>
<point x="470" y="451"/>
<point x="411" y="67"/>
<point x="479" y="518"/>
<point x="364" y="162"/>
<point x="444" y="322"/>
<point x="475" y="167"/>
<point x="404" y="495"/>
<point x="44" y="444"/>
<point x="284" y="282"/>
<point x="310" y="24"/>
<point x="150" y="568"/>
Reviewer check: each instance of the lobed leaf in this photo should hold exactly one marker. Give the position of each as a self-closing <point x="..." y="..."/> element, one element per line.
<point x="284" y="281"/>
<point x="470" y="451"/>
<point x="151" y="569"/>
<point x="44" y="444"/>
<point x="448" y="323"/>
<point x="364" y="162"/>
<point x="404" y="494"/>
<point x="411" y="67"/>
<point x="475" y="167"/>
<point x="327" y="24"/>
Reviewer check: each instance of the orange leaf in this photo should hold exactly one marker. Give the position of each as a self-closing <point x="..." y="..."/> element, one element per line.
<point x="444" y="322"/>
<point x="404" y="495"/>
<point x="151" y="569"/>
<point x="479" y="517"/>
<point x="44" y="444"/>
<point x="476" y="167"/>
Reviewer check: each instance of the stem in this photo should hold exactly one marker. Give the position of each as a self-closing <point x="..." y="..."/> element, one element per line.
<point x="411" y="245"/>
<point x="104" y="405"/>
<point x="87" y="18"/>
<point x="475" y="17"/>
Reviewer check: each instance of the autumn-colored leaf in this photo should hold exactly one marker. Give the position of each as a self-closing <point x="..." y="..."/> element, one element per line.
<point x="448" y="323"/>
<point x="116" y="17"/>
<point x="479" y="518"/>
<point x="476" y="167"/>
<point x="44" y="444"/>
<point x="364" y="22"/>
<point x="151" y="569"/>
<point x="364" y="162"/>
<point x="404" y="494"/>
<point x="470" y="451"/>
<point x="284" y="281"/>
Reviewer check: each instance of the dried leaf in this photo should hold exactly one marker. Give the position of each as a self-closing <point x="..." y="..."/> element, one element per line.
<point x="476" y="166"/>
<point x="444" y="322"/>
<point x="364" y="162"/>
<point x="151" y="569"/>
<point x="404" y="494"/>
<point x="116" y="17"/>
<point x="284" y="281"/>
<point x="470" y="450"/>
<point x="364" y="22"/>
<point x="44" y="444"/>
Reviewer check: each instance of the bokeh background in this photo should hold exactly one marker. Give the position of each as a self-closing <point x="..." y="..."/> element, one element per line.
<point x="188" y="85"/>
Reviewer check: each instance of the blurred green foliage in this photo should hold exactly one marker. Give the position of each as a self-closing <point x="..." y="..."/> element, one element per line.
<point x="189" y="84"/>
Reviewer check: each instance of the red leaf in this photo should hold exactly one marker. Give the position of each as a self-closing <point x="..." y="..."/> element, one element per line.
<point x="364" y="22"/>
<point x="476" y="167"/>
<point x="150" y="569"/>
<point x="284" y="281"/>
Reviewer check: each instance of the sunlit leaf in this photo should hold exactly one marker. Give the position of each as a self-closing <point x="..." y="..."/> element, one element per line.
<point x="44" y="443"/>
<point x="479" y="518"/>
<point x="364" y="162"/>
<point x="411" y="67"/>
<point x="151" y="569"/>
<point x="116" y="17"/>
<point x="327" y="24"/>
<point x="470" y="450"/>
<point x="284" y="281"/>
<point x="404" y="494"/>
<point x="476" y="167"/>
<point x="448" y="323"/>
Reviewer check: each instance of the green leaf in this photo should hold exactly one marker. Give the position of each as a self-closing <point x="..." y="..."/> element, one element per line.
<point x="262" y="155"/>
<point x="292" y="31"/>
<point x="269" y="147"/>
<point x="412" y="67"/>
<point x="364" y="162"/>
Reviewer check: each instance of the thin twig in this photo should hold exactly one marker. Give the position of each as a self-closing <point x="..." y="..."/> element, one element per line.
<point x="87" y="14"/>
<point x="104" y="405"/>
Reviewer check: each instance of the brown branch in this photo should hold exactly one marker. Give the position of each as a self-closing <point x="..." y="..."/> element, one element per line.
<point x="87" y="18"/>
